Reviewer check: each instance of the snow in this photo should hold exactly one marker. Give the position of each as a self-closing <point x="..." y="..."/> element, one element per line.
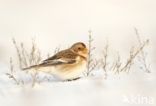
<point x="123" y="90"/>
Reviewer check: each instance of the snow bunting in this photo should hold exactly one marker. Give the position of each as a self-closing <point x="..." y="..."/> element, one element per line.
<point x="67" y="64"/>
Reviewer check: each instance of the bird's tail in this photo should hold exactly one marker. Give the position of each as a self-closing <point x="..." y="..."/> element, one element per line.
<point x="30" y="67"/>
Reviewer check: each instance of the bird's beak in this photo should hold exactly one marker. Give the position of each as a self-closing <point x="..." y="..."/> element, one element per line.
<point x="85" y="52"/>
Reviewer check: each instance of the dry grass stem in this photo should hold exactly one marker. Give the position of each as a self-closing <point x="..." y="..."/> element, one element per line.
<point x="104" y="60"/>
<point x="92" y="63"/>
<point x="11" y="73"/>
<point x="118" y="66"/>
<point x="143" y="57"/>
<point x="26" y="58"/>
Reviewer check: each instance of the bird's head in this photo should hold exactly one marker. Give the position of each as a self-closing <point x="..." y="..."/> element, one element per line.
<point x="80" y="48"/>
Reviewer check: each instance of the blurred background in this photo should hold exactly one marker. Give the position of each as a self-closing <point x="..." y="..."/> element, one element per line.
<point x="60" y="23"/>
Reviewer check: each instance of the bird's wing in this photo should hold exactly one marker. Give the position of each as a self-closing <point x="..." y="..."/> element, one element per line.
<point x="62" y="57"/>
<point x="58" y="62"/>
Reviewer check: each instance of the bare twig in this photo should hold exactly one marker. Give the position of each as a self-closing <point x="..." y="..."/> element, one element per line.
<point x="91" y="65"/>
<point x="57" y="49"/>
<point x="26" y="58"/>
<point x="34" y="78"/>
<point x="132" y="56"/>
<point x="142" y="57"/>
<point x="104" y="60"/>
<point x="117" y="64"/>
<point x="11" y="74"/>
<point x="18" y="53"/>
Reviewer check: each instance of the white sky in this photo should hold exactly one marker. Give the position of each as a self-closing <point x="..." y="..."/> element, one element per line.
<point x="63" y="22"/>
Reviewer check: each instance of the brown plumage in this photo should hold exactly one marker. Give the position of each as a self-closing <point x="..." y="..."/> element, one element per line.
<point x="65" y="60"/>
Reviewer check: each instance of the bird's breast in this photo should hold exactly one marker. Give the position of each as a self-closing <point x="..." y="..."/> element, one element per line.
<point x="70" y="71"/>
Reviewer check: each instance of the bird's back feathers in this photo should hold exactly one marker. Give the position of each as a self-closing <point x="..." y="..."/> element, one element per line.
<point x="62" y="57"/>
<point x="63" y="54"/>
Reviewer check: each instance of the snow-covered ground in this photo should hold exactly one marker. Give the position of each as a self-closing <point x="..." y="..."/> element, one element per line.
<point x="133" y="89"/>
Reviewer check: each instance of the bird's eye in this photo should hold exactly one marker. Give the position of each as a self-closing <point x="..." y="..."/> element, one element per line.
<point x="79" y="48"/>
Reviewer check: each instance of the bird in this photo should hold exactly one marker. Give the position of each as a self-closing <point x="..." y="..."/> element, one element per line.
<point x="66" y="64"/>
